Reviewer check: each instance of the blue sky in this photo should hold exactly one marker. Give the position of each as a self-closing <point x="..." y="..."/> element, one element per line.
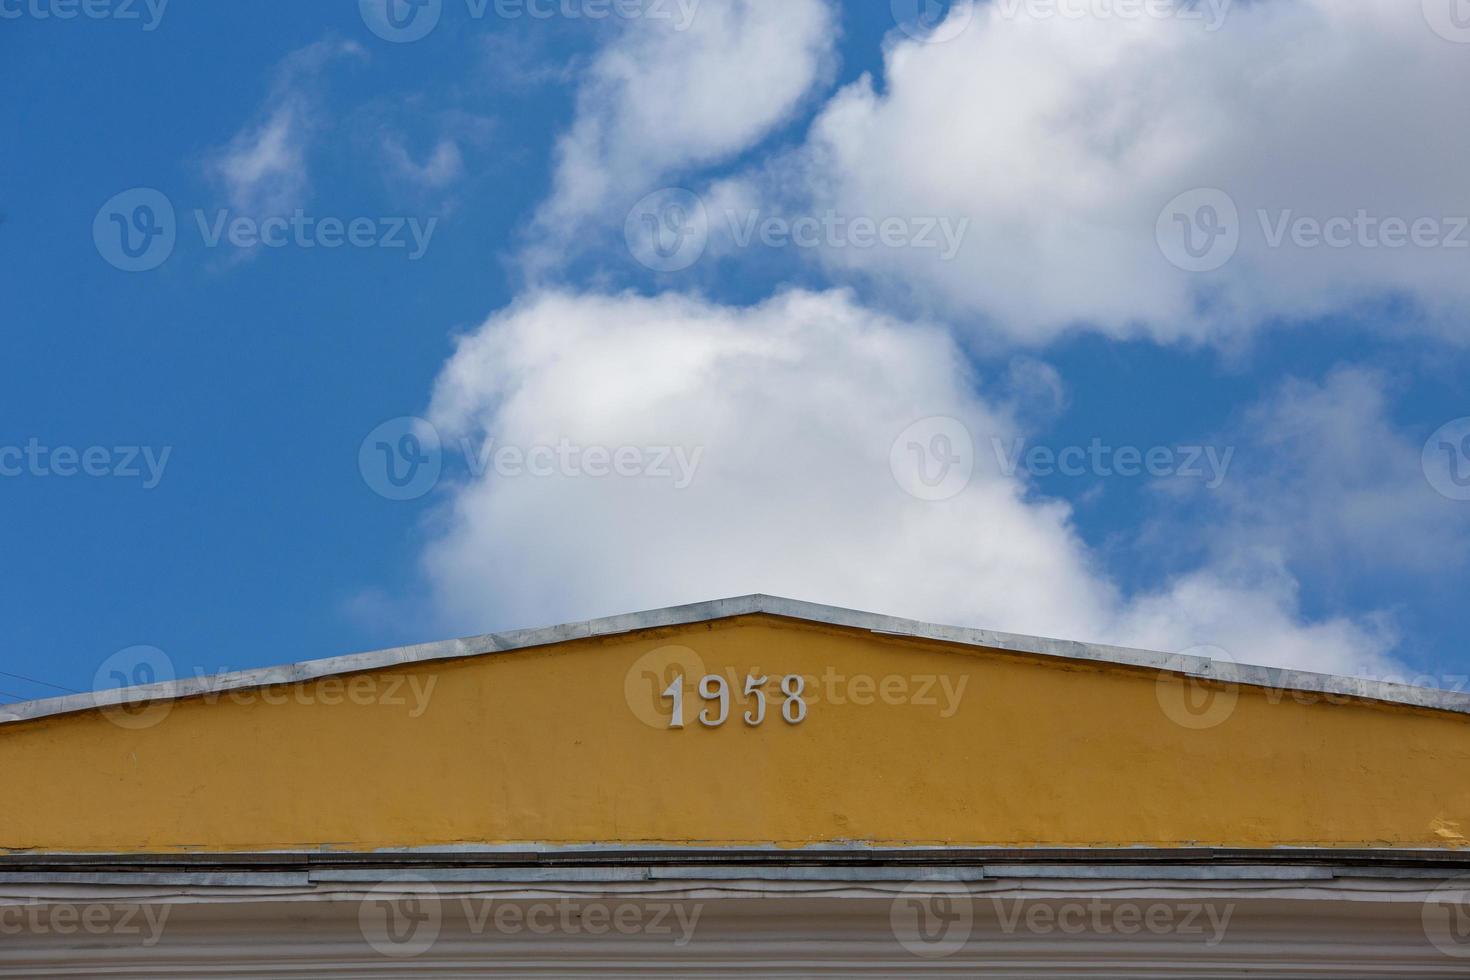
<point x="522" y="144"/>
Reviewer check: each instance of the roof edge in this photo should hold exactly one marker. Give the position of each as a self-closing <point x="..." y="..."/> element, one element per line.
<point x="851" y="853"/>
<point x="1273" y="678"/>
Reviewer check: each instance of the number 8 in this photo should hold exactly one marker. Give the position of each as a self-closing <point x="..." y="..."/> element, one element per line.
<point x="794" y="709"/>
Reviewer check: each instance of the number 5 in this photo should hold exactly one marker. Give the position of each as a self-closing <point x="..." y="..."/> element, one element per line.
<point x="756" y="686"/>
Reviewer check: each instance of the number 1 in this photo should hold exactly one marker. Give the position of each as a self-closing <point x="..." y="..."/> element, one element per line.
<point x="676" y="691"/>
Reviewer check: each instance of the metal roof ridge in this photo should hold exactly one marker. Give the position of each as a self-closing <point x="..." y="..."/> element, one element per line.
<point x="1275" y="678"/>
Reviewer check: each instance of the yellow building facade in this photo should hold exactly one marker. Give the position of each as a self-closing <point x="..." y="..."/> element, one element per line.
<point x="794" y="787"/>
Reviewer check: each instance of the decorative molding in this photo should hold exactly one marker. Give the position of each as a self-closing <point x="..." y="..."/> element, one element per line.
<point x="1278" y="929"/>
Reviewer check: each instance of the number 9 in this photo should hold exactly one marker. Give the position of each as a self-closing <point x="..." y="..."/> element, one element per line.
<point x="711" y="688"/>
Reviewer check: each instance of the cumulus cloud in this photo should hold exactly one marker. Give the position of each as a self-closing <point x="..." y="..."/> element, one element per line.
<point x="680" y="91"/>
<point x="263" y="170"/>
<point x="799" y="415"/>
<point x="1250" y="609"/>
<point x="1324" y="476"/>
<point x="1065" y="140"/>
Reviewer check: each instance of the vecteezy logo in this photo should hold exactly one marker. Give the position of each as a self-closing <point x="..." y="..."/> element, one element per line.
<point x="1450" y="19"/>
<point x="401" y="21"/>
<point x="139" y="666"/>
<point x="932" y="21"/>
<point x="1199" y="230"/>
<point x="1447" y="460"/>
<point x="1196" y="703"/>
<point x="135" y="231"/>
<point x="401" y="917"/>
<point x="647" y="681"/>
<point x="1445" y="916"/>
<point x="932" y="919"/>
<point x="401" y="459"/>
<point x="934" y="458"/>
<point x="668" y="230"/>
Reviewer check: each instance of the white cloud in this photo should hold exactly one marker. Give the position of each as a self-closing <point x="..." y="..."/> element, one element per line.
<point x="263" y="170"/>
<point x="1250" y="610"/>
<point x="1063" y="138"/>
<point x="666" y="94"/>
<point x="1323" y="475"/>
<point x="794" y="407"/>
<point x="442" y="167"/>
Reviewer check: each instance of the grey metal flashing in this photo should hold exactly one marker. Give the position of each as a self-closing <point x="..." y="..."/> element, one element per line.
<point x="802" y="872"/>
<point x="1272" y="678"/>
<point x="1162" y="872"/>
<point x="707" y="875"/>
<point x="638" y="860"/>
<point x="131" y="878"/>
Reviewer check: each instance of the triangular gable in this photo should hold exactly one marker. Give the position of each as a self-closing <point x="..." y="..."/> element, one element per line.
<point x="834" y="727"/>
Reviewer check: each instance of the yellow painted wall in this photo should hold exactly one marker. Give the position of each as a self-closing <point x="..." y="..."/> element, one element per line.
<point x="564" y="744"/>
